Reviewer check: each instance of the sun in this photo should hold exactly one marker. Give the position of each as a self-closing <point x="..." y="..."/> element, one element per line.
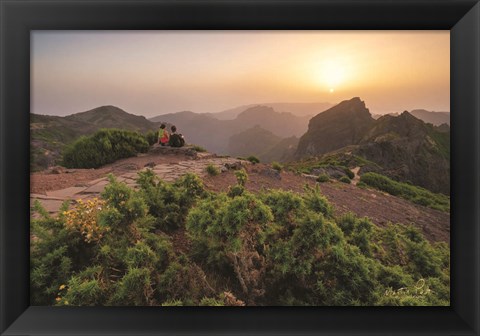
<point x="331" y="74"/>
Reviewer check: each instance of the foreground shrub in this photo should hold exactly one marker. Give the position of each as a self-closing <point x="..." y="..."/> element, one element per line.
<point x="178" y="244"/>
<point x="105" y="146"/>
<point x="169" y="203"/>
<point x="345" y="179"/>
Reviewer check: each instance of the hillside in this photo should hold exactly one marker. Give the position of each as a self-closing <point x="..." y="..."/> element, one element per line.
<point x="112" y="117"/>
<point x="410" y="150"/>
<point x="402" y="147"/>
<point x="248" y="235"/>
<point x="50" y="134"/>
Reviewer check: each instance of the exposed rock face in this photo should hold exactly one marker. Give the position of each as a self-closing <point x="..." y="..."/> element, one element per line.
<point x="343" y="125"/>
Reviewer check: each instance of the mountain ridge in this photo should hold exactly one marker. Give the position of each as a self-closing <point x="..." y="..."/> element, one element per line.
<point x="404" y="147"/>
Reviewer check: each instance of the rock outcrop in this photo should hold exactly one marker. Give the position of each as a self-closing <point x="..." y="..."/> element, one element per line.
<point x="342" y="125"/>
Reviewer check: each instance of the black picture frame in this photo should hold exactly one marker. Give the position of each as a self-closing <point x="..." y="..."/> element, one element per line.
<point x="19" y="17"/>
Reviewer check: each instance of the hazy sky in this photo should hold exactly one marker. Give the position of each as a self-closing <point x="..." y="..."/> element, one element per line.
<point x="155" y="72"/>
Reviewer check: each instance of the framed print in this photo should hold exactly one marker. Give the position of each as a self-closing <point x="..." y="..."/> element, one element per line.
<point x="240" y="167"/>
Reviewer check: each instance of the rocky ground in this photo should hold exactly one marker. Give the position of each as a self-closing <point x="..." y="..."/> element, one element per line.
<point x="54" y="186"/>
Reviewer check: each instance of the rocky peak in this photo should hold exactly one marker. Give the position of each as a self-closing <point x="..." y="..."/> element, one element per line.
<point x="342" y="125"/>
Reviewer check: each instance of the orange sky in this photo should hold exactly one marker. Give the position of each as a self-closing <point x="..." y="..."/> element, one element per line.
<point x="155" y="72"/>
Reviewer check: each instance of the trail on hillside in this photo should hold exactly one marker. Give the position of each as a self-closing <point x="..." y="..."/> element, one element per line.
<point x="52" y="188"/>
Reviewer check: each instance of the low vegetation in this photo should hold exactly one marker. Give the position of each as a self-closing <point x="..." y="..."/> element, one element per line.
<point x="323" y="178"/>
<point x="407" y="191"/>
<point x="104" y="146"/>
<point x="199" y="149"/>
<point x="253" y="159"/>
<point x="345" y="179"/>
<point x="212" y="170"/>
<point x="151" y="137"/>
<point x="277" y="166"/>
<point x="340" y="160"/>
<point x="271" y="248"/>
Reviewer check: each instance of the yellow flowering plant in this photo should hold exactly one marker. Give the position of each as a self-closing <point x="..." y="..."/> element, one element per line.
<point x="84" y="219"/>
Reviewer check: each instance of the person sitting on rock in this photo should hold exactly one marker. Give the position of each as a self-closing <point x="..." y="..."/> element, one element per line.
<point x="162" y="135"/>
<point x="176" y="140"/>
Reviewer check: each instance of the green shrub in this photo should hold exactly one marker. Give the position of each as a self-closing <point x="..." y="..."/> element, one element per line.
<point x="199" y="149"/>
<point x="409" y="192"/>
<point x="178" y="244"/>
<point x="362" y="185"/>
<point x="253" y="159"/>
<point x="211" y="302"/>
<point x="242" y="177"/>
<point x="169" y="203"/>
<point x="212" y="170"/>
<point x="315" y="201"/>
<point x="277" y="166"/>
<point x="323" y="178"/>
<point x="151" y="137"/>
<point x="105" y="146"/>
<point x="345" y="179"/>
<point x="349" y="173"/>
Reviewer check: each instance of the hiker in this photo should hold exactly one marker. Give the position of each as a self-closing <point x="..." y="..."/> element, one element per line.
<point x="176" y="140"/>
<point x="162" y="135"/>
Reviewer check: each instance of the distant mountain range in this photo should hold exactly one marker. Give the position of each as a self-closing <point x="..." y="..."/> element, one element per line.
<point x="403" y="146"/>
<point x="262" y="143"/>
<point x="435" y="118"/>
<point x="297" y="109"/>
<point x="214" y="134"/>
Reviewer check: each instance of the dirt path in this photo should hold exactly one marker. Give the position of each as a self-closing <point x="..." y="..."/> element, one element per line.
<point x="356" y="177"/>
<point x="44" y="181"/>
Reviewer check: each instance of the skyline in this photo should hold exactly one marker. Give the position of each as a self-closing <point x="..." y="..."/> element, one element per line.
<point x="156" y="72"/>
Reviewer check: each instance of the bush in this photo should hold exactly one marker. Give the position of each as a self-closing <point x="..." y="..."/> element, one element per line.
<point x="409" y="192"/>
<point x="253" y="159"/>
<point x="277" y="166"/>
<point x="212" y="170"/>
<point x="169" y="203"/>
<point x="105" y="146"/>
<point x="362" y="185"/>
<point x="199" y="149"/>
<point x="323" y="178"/>
<point x="151" y="137"/>
<point x="349" y="173"/>
<point x="345" y="179"/>
<point x="272" y="248"/>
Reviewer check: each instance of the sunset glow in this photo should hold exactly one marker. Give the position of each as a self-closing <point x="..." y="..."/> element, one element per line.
<point x="155" y="72"/>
